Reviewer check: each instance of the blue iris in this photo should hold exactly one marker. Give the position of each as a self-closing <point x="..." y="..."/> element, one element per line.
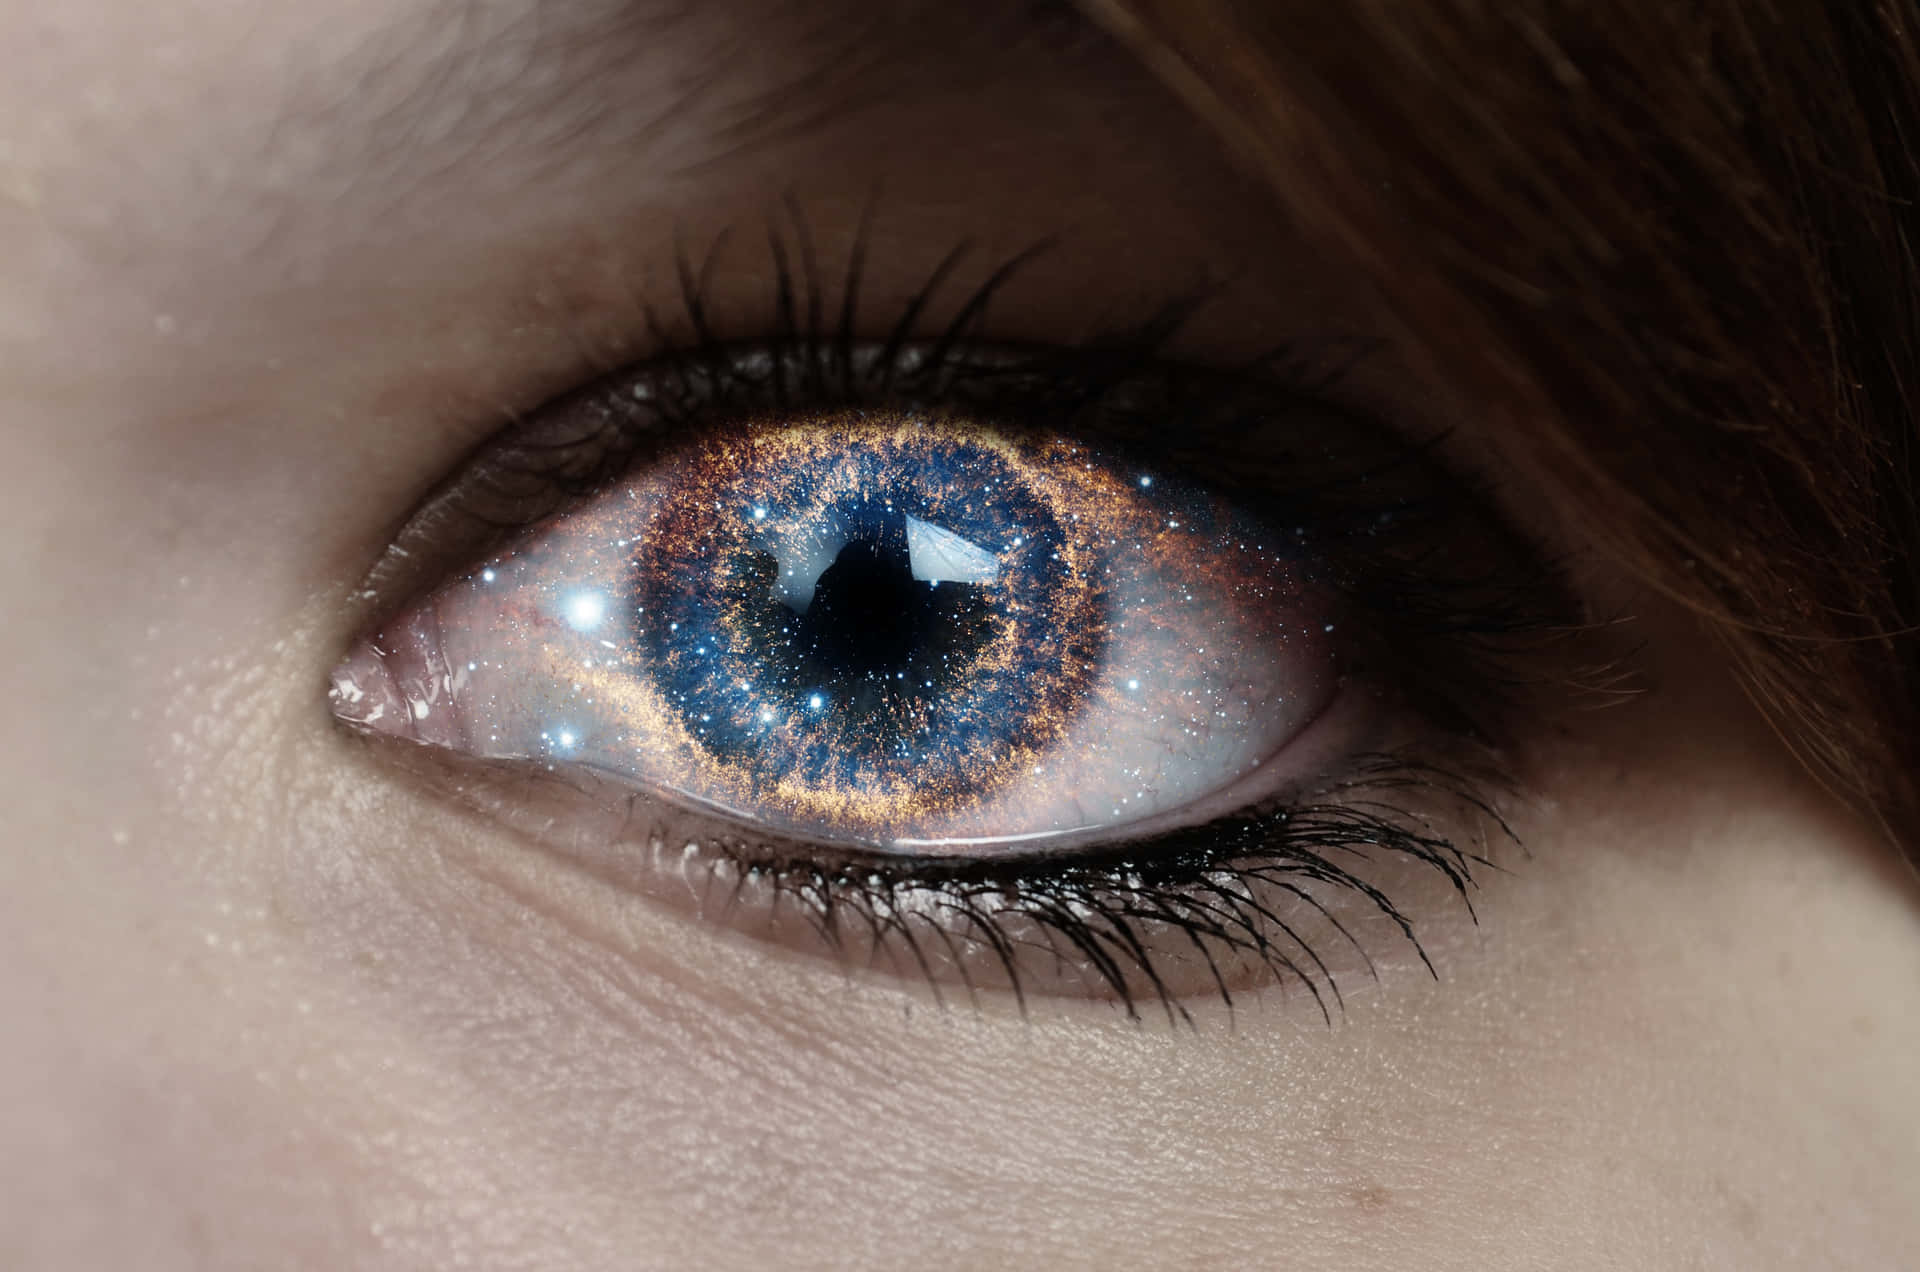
<point x="887" y="612"/>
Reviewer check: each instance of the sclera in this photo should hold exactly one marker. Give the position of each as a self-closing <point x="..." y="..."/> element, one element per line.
<point x="1212" y="652"/>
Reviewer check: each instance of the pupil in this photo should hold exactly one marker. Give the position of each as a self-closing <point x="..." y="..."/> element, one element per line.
<point x="872" y="641"/>
<point x="869" y="615"/>
<point x="866" y="664"/>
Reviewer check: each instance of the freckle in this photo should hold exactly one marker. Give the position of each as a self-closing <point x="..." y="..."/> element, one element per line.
<point x="1371" y="1198"/>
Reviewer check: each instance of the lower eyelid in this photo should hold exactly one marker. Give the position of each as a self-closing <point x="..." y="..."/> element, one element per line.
<point x="1325" y="924"/>
<point x="1356" y="880"/>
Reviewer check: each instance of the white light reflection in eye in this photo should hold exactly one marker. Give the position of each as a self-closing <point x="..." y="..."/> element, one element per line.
<point x="941" y="556"/>
<point x="585" y="610"/>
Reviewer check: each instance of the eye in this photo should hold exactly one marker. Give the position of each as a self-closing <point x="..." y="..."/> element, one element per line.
<point x="1063" y="670"/>
<point x="905" y="628"/>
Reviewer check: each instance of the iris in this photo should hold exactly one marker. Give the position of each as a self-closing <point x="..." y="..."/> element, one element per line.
<point x="884" y="614"/>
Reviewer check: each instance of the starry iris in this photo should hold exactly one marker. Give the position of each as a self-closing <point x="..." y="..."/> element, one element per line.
<point x="895" y="611"/>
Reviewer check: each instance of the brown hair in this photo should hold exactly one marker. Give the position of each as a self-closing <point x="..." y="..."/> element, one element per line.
<point x="1668" y="245"/>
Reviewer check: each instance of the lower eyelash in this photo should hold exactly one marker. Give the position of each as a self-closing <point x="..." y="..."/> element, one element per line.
<point x="1228" y="897"/>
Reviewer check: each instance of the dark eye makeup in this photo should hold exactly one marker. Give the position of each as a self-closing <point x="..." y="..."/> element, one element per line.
<point x="1016" y="669"/>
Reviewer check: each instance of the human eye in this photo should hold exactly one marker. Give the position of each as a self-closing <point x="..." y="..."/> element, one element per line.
<point x="1059" y="671"/>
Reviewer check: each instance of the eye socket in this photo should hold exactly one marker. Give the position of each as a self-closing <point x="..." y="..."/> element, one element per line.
<point x="907" y="628"/>
<point x="1336" y="640"/>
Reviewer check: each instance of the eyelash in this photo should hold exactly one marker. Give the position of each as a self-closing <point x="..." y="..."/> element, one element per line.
<point x="1462" y="638"/>
<point x="1204" y="884"/>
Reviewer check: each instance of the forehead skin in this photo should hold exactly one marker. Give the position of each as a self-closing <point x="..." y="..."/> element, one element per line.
<point x="273" y="269"/>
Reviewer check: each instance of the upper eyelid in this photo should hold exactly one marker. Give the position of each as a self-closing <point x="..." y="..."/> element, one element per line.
<point x="812" y="310"/>
<point x="578" y="433"/>
<point x="578" y="331"/>
<point x="815" y="316"/>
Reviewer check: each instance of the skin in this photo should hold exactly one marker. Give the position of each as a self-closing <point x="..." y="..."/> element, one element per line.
<point x="274" y="270"/>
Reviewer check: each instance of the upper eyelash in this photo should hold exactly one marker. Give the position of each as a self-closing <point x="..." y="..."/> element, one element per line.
<point x="807" y="357"/>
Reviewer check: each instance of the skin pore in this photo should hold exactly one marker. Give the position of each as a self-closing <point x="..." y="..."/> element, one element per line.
<point x="275" y="271"/>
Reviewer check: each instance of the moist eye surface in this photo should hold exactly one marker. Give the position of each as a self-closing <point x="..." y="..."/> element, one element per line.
<point x="902" y="627"/>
